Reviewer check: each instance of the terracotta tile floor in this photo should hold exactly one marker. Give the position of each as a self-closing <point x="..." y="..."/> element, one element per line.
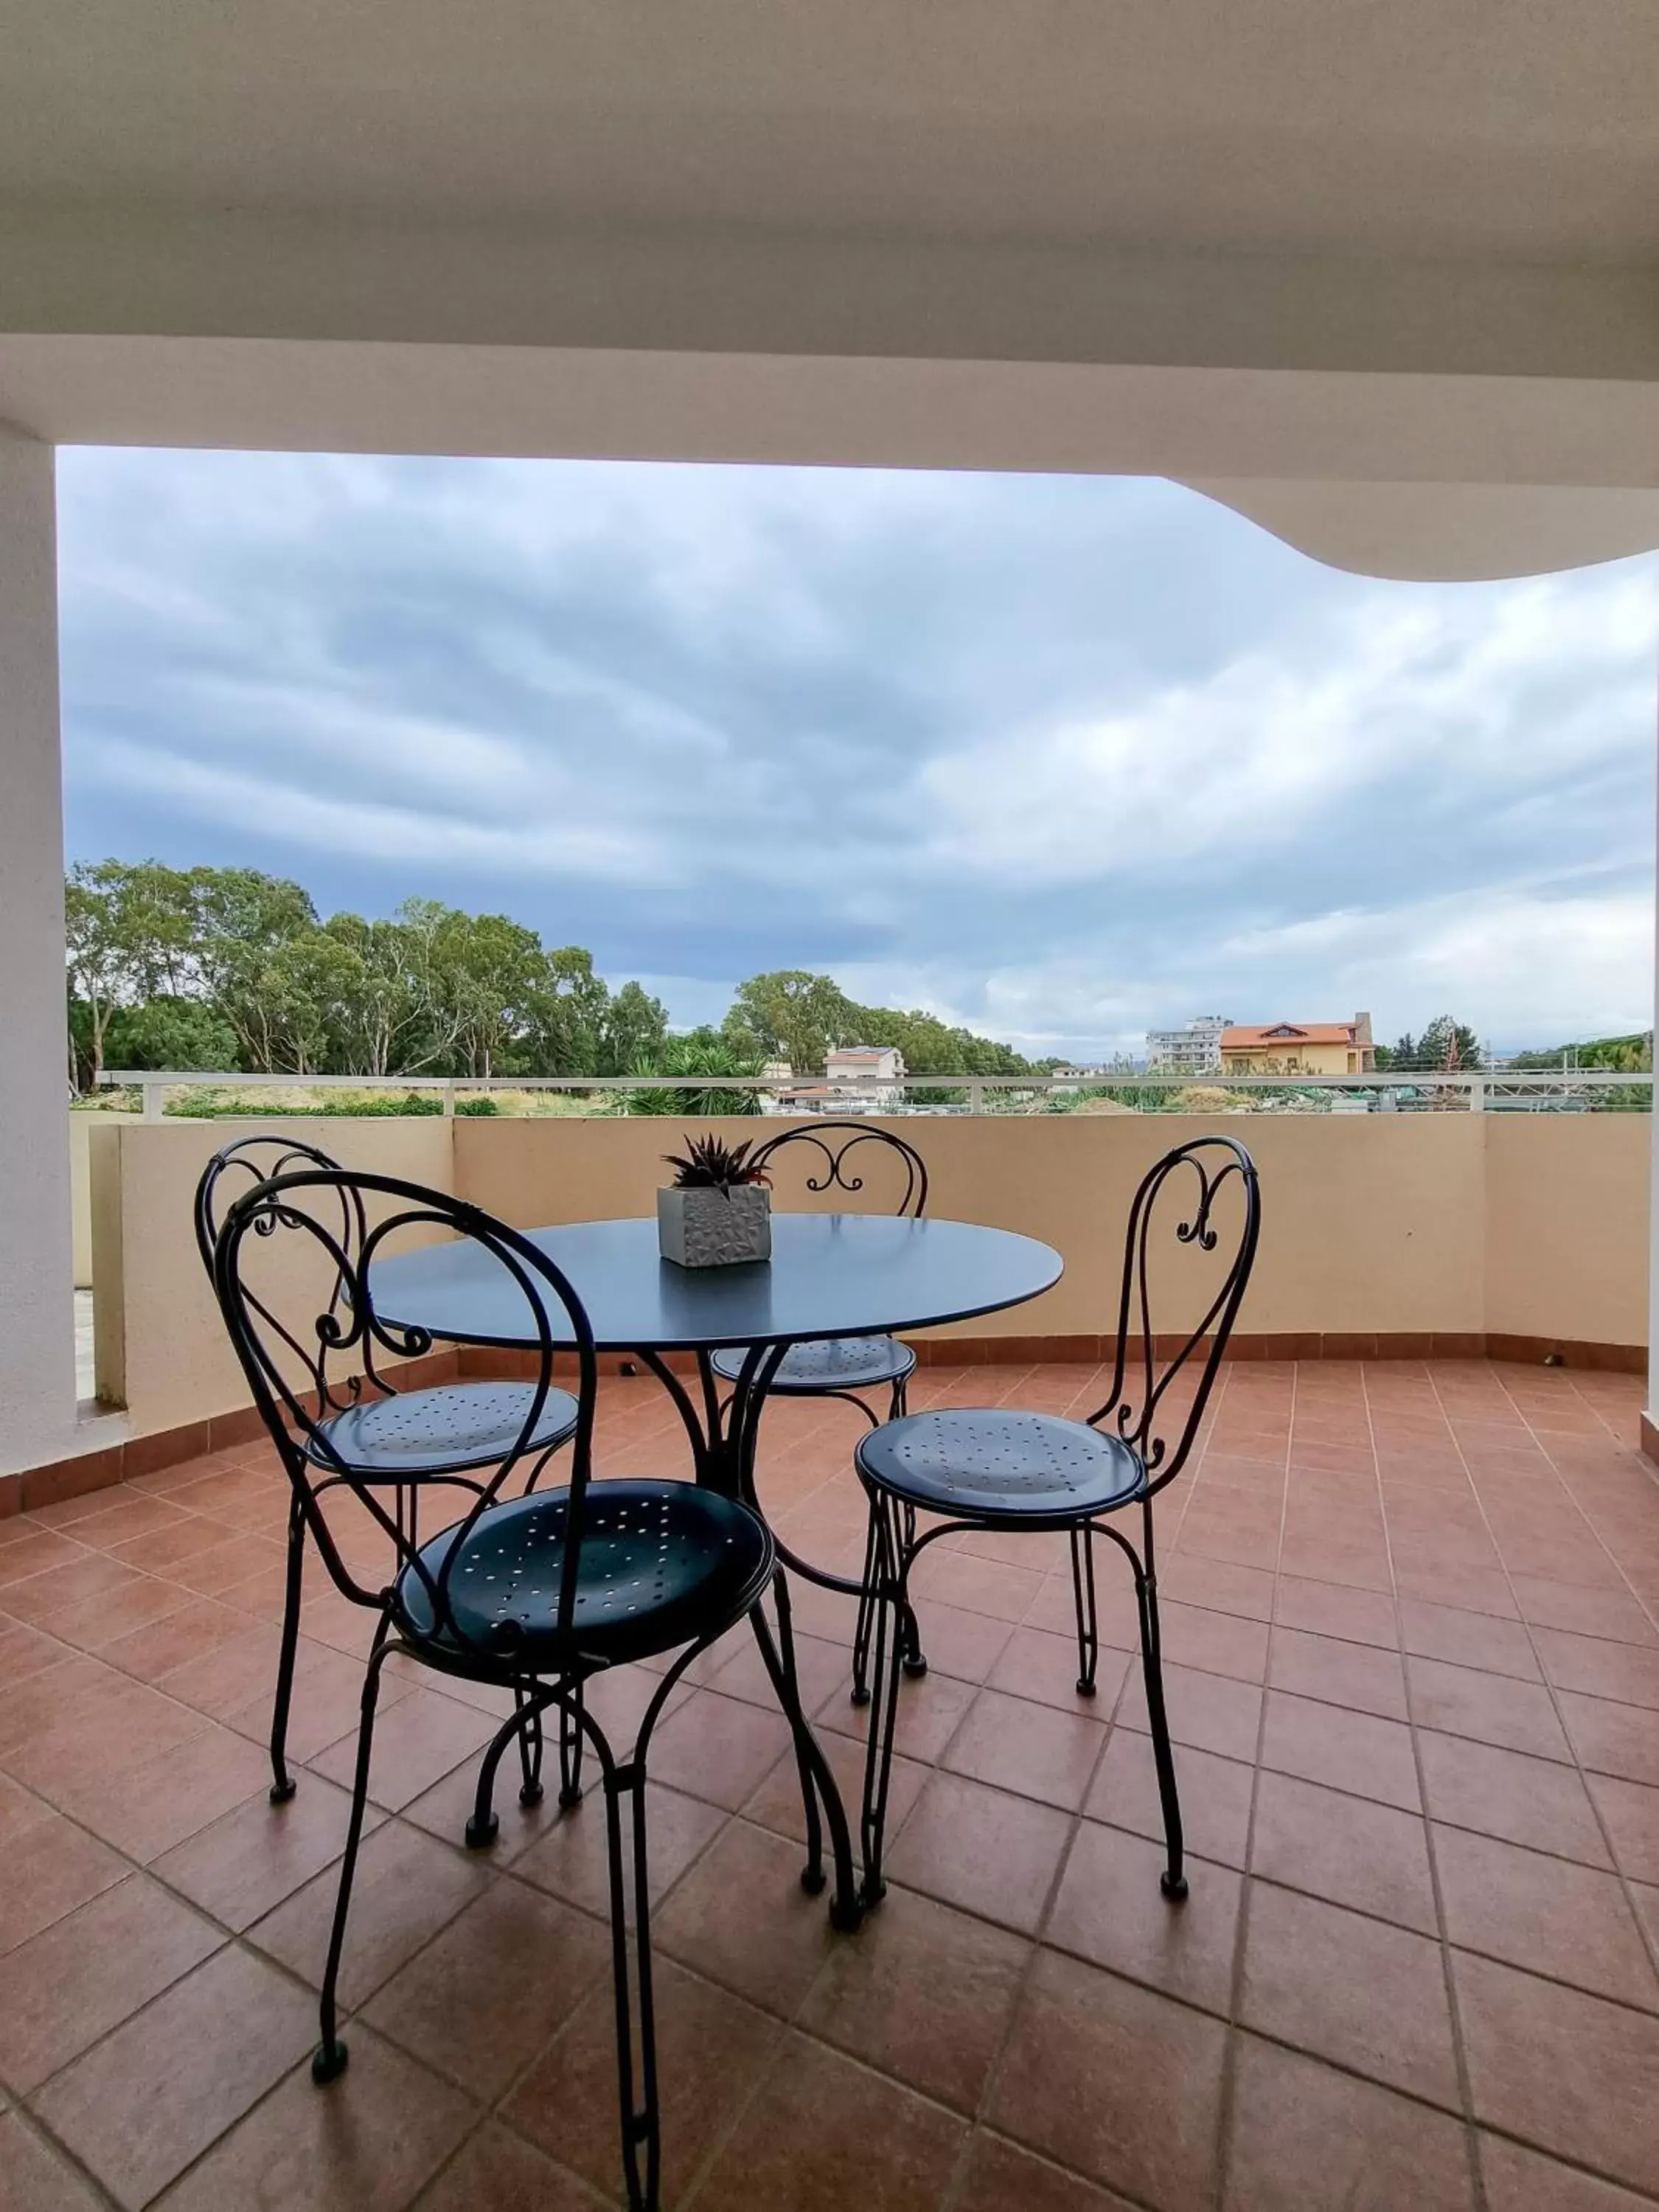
<point x="1412" y="1625"/>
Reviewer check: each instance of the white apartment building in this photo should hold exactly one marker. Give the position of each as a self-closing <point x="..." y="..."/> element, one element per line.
<point x="1193" y="1049"/>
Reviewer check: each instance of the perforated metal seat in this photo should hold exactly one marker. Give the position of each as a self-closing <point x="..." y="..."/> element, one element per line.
<point x="836" y="1362"/>
<point x="449" y="1429"/>
<point x="993" y="1465"/>
<point x="658" y="1561"/>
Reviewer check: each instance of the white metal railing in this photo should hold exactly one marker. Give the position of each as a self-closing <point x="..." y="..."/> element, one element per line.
<point x="1573" y="1090"/>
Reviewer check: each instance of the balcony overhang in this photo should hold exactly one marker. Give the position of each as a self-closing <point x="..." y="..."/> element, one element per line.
<point x="1322" y="268"/>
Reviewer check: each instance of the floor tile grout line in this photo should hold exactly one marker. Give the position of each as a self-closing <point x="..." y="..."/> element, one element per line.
<point x="1539" y="1438"/>
<point x="489" y="2117"/>
<point x="1364" y="2078"/>
<point x="1624" y="1442"/>
<point x="242" y="1939"/>
<point x="1228" y="2099"/>
<point x="1459" y="2056"/>
<point x="32" y="2121"/>
<point x="1645" y="1935"/>
<point x="727" y="1815"/>
<point x="994" y="2070"/>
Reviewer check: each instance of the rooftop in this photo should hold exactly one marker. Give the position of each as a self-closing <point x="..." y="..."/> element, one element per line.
<point x="1243" y="1038"/>
<point x="1414" y="1669"/>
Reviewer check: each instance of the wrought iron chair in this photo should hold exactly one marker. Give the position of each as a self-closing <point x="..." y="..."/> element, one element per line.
<point x="536" y="1593"/>
<point x="391" y="1437"/>
<point x="842" y="1367"/>
<point x="999" y="1468"/>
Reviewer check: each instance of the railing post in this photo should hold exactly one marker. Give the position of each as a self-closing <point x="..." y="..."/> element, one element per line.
<point x="976" y="1097"/>
<point x="154" y="1098"/>
<point x="449" y="1099"/>
<point x="1477" y="1094"/>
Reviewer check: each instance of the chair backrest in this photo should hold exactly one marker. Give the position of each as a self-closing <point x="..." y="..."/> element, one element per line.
<point x="305" y="1355"/>
<point x="237" y="1168"/>
<point x="825" y="1149"/>
<point x="240" y="1168"/>
<point x="1209" y="1190"/>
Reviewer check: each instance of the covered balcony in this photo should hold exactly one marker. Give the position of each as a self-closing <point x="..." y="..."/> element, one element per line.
<point x="1384" y="282"/>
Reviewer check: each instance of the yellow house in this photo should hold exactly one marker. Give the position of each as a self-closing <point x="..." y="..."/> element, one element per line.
<point x="1300" y="1049"/>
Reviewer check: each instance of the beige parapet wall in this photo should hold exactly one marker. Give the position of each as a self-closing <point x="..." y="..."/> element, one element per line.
<point x="1395" y="1224"/>
<point x="161" y="1347"/>
<point x="80" y="1128"/>
<point x="1392" y="1225"/>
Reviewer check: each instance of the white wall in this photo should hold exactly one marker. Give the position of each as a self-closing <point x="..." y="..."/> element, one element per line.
<point x="37" y="1307"/>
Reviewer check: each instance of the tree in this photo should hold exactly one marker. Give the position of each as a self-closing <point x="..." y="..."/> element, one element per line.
<point x="172" y="1031"/>
<point x="393" y="1022"/>
<point x="793" y="1015"/>
<point x="128" y="933"/>
<point x="1626" y="1055"/>
<point x="243" y="919"/>
<point x="634" y="1028"/>
<point x="1448" y="1045"/>
<point x="489" y="972"/>
<point x="565" y="1031"/>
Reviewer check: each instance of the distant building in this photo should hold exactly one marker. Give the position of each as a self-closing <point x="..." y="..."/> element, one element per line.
<point x="864" y="1073"/>
<point x="1194" y="1049"/>
<point x="1300" y="1049"/>
<point x="1097" y="1071"/>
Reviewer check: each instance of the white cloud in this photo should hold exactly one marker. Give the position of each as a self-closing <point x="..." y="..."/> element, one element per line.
<point x="1261" y="753"/>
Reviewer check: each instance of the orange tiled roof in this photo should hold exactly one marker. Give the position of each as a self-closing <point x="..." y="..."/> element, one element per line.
<point x="1288" y="1033"/>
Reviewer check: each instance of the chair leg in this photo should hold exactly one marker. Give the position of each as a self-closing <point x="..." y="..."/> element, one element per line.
<point x="1172" y="1881"/>
<point x="636" y="2081"/>
<point x="571" y="1753"/>
<point x="529" y="1750"/>
<point x="281" y="1783"/>
<point x="891" y="1611"/>
<point x="916" y="1659"/>
<point x="1088" y="1624"/>
<point x="483" y="1824"/>
<point x="867" y="1608"/>
<point x="818" y="1781"/>
<point x="329" y="2059"/>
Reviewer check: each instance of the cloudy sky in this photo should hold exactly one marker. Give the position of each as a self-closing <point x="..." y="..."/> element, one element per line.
<point x="1058" y="757"/>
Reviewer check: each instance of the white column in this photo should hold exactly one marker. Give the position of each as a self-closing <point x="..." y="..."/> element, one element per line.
<point x="1650" y="1419"/>
<point x="37" y="1295"/>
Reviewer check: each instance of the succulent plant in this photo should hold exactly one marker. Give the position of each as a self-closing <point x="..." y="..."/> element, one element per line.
<point x="710" y="1164"/>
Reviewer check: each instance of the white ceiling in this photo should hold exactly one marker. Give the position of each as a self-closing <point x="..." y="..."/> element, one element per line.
<point x="1522" y="129"/>
<point x="1302" y="243"/>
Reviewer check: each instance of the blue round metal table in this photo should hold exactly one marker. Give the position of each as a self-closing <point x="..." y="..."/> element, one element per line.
<point x="830" y="1275"/>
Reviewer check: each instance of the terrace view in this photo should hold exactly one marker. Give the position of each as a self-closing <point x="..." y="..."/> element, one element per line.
<point x="702" y="1504"/>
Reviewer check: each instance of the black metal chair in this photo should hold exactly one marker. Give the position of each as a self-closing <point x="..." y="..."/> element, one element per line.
<point x="999" y="1468"/>
<point x="537" y="1592"/>
<point x="389" y="1436"/>
<point x="842" y="1367"/>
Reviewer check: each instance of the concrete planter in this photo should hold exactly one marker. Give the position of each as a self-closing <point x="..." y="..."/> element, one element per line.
<point x="715" y="1228"/>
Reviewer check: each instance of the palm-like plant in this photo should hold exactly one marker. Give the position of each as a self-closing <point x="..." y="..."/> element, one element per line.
<point x="701" y="1054"/>
<point x="708" y="1163"/>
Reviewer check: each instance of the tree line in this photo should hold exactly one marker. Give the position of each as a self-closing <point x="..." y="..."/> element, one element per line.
<point x="792" y="1014"/>
<point x="232" y="969"/>
<point x="1446" y="1046"/>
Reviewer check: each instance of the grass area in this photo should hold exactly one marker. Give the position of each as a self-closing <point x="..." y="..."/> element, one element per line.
<point x="211" y="1102"/>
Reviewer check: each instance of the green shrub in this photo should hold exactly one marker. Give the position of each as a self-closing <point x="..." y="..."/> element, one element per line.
<point x="378" y="1104"/>
<point x="477" y="1106"/>
<point x="218" y="1105"/>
